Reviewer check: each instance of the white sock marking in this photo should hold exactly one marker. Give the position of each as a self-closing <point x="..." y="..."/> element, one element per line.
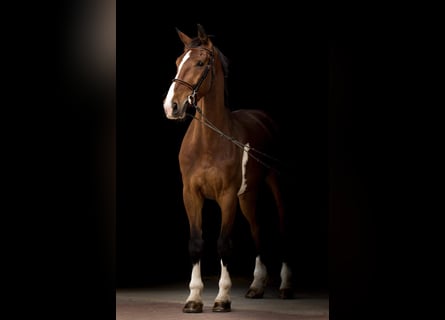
<point x="286" y="276"/>
<point x="225" y="284"/>
<point x="196" y="285"/>
<point x="243" y="169"/>
<point x="259" y="274"/>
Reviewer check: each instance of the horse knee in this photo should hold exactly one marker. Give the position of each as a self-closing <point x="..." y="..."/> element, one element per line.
<point x="195" y="249"/>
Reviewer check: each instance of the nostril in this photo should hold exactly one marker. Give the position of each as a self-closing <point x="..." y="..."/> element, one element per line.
<point x="174" y="108"/>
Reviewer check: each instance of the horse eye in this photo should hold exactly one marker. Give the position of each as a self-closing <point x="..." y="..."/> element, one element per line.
<point x="200" y="64"/>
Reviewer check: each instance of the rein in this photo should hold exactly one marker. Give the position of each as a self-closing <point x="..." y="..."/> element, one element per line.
<point x="241" y="145"/>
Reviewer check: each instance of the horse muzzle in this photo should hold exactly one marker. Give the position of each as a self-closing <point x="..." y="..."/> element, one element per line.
<point x="175" y="111"/>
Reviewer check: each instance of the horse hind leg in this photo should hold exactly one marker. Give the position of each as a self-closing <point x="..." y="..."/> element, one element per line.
<point x="286" y="291"/>
<point x="248" y="208"/>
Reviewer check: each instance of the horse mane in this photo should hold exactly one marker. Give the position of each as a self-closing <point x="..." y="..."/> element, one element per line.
<point x="196" y="42"/>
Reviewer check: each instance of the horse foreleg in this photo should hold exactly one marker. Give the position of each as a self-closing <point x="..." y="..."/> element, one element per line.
<point x="222" y="300"/>
<point x="194" y="301"/>
<point x="193" y="206"/>
<point x="228" y="210"/>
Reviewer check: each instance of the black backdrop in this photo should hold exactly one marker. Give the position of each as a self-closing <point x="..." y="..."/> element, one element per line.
<point x="350" y="87"/>
<point x="280" y="68"/>
<point x="340" y="87"/>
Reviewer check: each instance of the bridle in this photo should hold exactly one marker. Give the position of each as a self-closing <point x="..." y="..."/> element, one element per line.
<point x="195" y="88"/>
<point x="254" y="153"/>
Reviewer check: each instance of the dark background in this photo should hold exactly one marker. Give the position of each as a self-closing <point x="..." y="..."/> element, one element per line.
<point x="341" y="87"/>
<point x="265" y="72"/>
<point x="92" y="192"/>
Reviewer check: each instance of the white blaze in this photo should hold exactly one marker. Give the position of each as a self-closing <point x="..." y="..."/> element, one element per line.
<point x="168" y="102"/>
<point x="243" y="169"/>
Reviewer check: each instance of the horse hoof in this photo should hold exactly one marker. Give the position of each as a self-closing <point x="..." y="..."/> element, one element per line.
<point x="221" y="306"/>
<point x="286" y="293"/>
<point x="254" y="293"/>
<point x="192" y="307"/>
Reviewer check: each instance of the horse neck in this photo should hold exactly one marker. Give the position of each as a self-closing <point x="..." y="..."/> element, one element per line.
<point x="214" y="111"/>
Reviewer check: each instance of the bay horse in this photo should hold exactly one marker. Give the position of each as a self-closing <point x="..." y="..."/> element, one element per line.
<point x="222" y="158"/>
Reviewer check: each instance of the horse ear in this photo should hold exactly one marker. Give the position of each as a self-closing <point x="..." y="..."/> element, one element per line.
<point x="202" y="35"/>
<point x="186" y="40"/>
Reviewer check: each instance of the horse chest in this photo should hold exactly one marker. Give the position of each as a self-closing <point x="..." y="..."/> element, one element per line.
<point x="208" y="174"/>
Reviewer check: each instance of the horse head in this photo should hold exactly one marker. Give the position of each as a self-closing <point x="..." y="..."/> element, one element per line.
<point x="194" y="74"/>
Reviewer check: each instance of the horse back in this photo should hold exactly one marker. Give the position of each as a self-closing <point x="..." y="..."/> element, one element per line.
<point x="257" y="128"/>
